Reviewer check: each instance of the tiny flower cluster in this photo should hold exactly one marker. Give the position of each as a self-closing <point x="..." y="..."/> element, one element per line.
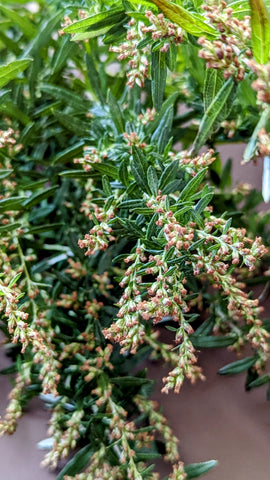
<point x="162" y="29"/>
<point x="262" y="83"/>
<point x="225" y="52"/>
<point x="138" y="58"/>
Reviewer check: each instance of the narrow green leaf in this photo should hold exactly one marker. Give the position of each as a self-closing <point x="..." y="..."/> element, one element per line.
<point x="20" y="20"/>
<point x="161" y="134"/>
<point x="227" y="226"/>
<point x="168" y="174"/>
<point x="212" y="341"/>
<point x="94" y="79"/>
<point x="138" y="169"/>
<point x="152" y="179"/>
<point x="9" y="228"/>
<point x="203" y="202"/>
<point x="96" y="22"/>
<point x="107" y="169"/>
<point x="152" y="227"/>
<point x="212" y="113"/>
<point x="11" y="203"/>
<point x="11" y="70"/>
<point x="158" y="74"/>
<point x="116" y="113"/>
<point x="74" y="124"/>
<point x="39" y="196"/>
<point x="14" y="280"/>
<point x="260" y="31"/>
<point x="76" y="174"/>
<point x="237" y="367"/>
<point x="77" y="463"/>
<point x="66" y="96"/>
<point x="194" y="470"/>
<point x="45" y="228"/>
<point x="213" y="82"/>
<point x="251" y="148"/>
<point x="69" y="153"/>
<point x="107" y="189"/>
<point x="259" y="381"/>
<point x="192" y="185"/>
<point x="190" y="22"/>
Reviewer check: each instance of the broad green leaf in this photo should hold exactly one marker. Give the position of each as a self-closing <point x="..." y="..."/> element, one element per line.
<point x="190" y="22"/>
<point x="212" y="113"/>
<point x="260" y="31"/>
<point x="97" y="21"/>
<point x="237" y="367"/>
<point x="11" y="70"/>
<point x="158" y="75"/>
<point x="194" y="470"/>
<point x="77" y="463"/>
<point x="116" y="113"/>
<point x="192" y="185"/>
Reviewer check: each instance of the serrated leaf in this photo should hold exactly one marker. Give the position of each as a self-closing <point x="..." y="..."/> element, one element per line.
<point x="11" y="70"/>
<point x="158" y="76"/>
<point x="194" y="470"/>
<point x="237" y="367"/>
<point x="260" y="31"/>
<point x="190" y="22"/>
<point x="212" y="113"/>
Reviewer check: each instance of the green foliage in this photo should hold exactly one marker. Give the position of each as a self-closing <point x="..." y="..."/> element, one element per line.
<point x="109" y="231"/>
